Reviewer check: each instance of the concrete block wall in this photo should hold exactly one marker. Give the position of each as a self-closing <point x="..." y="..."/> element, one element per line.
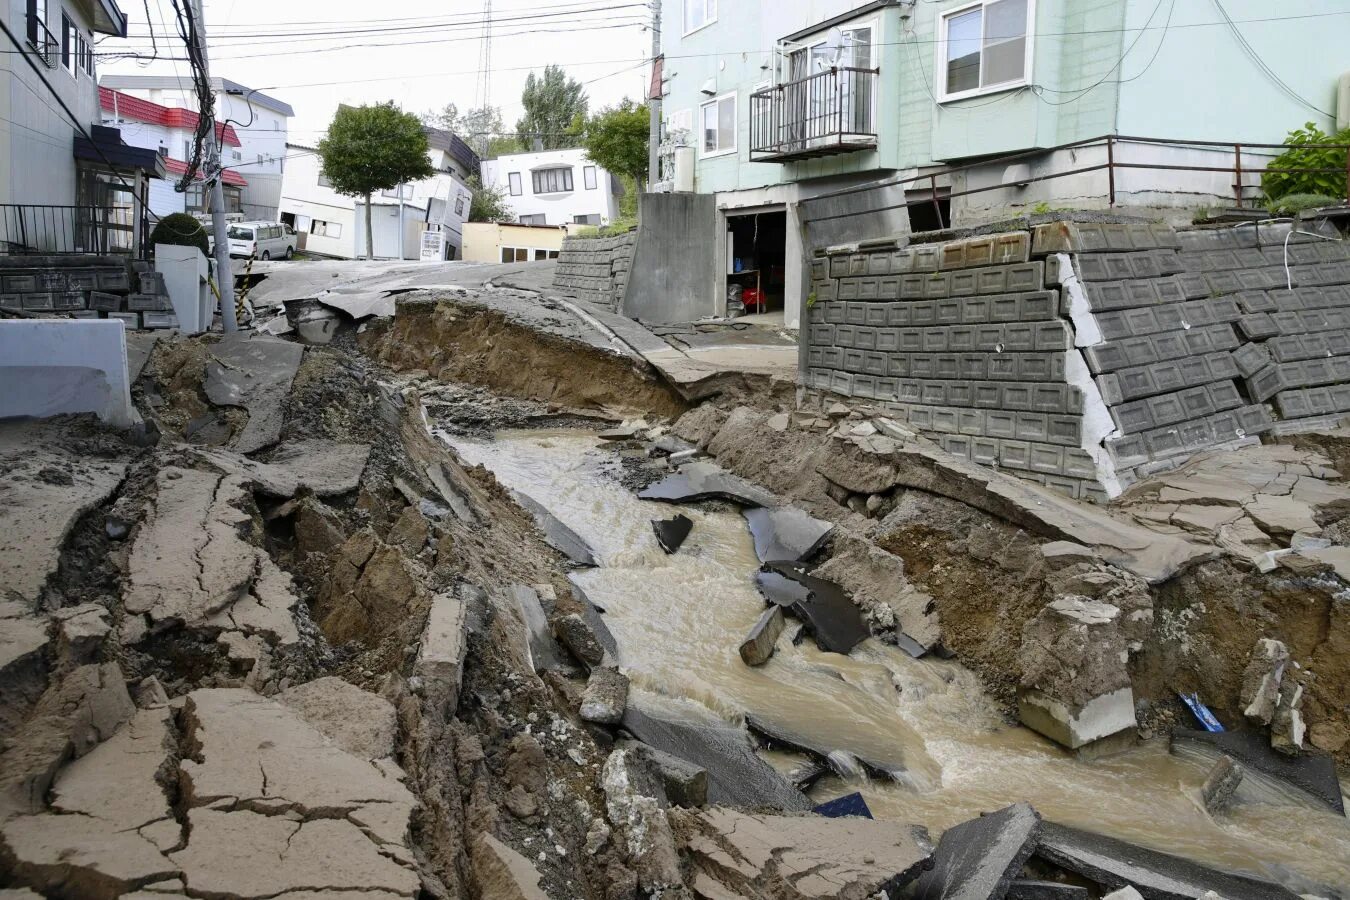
<point x="596" y="269"/>
<point x="1087" y="355"/>
<point x="84" y="287"/>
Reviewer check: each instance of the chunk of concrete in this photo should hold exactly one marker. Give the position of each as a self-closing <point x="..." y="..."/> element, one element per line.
<point x="362" y="723"/>
<point x="832" y="618"/>
<point x="756" y="649"/>
<point x="576" y="635"/>
<point x="440" y="662"/>
<point x="877" y="583"/>
<point x="706" y="481"/>
<point x="636" y="804"/>
<point x="1109" y="863"/>
<point x="23" y="635"/>
<point x="324" y="468"/>
<point x="856" y="756"/>
<point x="605" y="697"/>
<point x="50" y="367"/>
<point x="557" y="535"/>
<point x="1308" y="779"/>
<point x="685" y="783"/>
<point x="1060" y="554"/>
<point x="253" y="371"/>
<point x="1030" y="889"/>
<point x="1125" y="893"/>
<point x="503" y="874"/>
<point x="800" y="857"/>
<point x="785" y="533"/>
<point x="1221" y="784"/>
<point x="542" y="648"/>
<point x="670" y="533"/>
<point x="1260" y="691"/>
<point x="81" y="630"/>
<point x="1287" y="729"/>
<point x="980" y="858"/>
<point x="80" y="856"/>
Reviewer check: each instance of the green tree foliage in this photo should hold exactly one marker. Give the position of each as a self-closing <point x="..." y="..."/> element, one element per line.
<point x="373" y="148"/>
<point x="554" y="106"/>
<point x="480" y="127"/>
<point x="488" y="203"/>
<point x="616" y="139"/>
<point x="181" y="230"/>
<point x="1333" y="183"/>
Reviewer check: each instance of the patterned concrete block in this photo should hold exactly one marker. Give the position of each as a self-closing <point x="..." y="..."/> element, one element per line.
<point x="986" y="250"/>
<point x="1106" y="296"/>
<point x="19" y="283"/>
<point x="1089" y="237"/>
<point x="38" y="302"/>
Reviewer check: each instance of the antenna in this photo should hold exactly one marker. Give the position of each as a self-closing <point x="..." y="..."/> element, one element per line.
<point x="835" y="45"/>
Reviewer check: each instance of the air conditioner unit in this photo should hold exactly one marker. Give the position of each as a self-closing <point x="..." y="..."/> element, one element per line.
<point x="684" y="170"/>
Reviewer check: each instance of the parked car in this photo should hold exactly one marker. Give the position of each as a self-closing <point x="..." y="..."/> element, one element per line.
<point x="263" y="240"/>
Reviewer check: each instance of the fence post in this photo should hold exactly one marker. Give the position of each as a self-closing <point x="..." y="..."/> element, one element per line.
<point x="1110" y="172"/>
<point x="937" y="207"/>
<point x="1237" y="171"/>
<point x="1347" y="174"/>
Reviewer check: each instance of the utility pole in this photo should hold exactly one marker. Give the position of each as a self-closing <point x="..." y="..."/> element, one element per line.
<point x="212" y="169"/>
<point x="654" y="104"/>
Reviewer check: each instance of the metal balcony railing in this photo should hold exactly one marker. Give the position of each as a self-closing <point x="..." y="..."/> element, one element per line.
<point x="42" y="41"/>
<point x="42" y="230"/>
<point x="824" y="114"/>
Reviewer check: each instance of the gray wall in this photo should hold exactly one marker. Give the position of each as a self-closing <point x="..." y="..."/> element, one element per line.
<point x="676" y="249"/>
<point x="854" y="217"/>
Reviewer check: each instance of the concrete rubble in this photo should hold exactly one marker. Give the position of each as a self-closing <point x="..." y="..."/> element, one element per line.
<point x="706" y="481"/>
<point x="605" y="697"/>
<point x="981" y="858"/>
<point x="758" y="646"/>
<point x="849" y="758"/>
<point x="671" y="533"/>
<point x="253" y="372"/>
<point x="1307" y="779"/>
<point x="785" y="533"/>
<point x="323" y="468"/>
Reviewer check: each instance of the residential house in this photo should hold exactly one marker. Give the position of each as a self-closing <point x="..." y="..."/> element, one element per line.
<point x="333" y="224"/>
<point x="66" y="183"/>
<point x="779" y="109"/>
<point x="260" y="123"/>
<point x="509" y="242"/>
<point x="555" y="187"/>
<point x="170" y="132"/>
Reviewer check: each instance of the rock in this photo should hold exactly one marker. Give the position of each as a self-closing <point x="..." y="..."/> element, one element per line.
<point x="876" y="581"/>
<point x="1308" y="779"/>
<point x="670" y="533"/>
<point x="23" y="636"/>
<point x="410" y="531"/>
<point x="317" y="528"/>
<point x="362" y="723"/>
<point x="830" y="615"/>
<point x="81" y="630"/>
<point x="756" y="649"/>
<point x="556" y="534"/>
<point x="1221" y="784"/>
<point x="777" y="422"/>
<point x="620" y="433"/>
<point x="706" y="481"/>
<point x="440" y="662"/>
<point x="1027" y="889"/>
<point x="503" y="874"/>
<point x="254" y="372"/>
<point x="1059" y="554"/>
<point x="635" y="803"/>
<point x="1260" y="692"/>
<point x="979" y="859"/>
<point x="150" y="693"/>
<point x="323" y="468"/>
<point x="685" y="784"/>
<point x="794" y="858"/>
<point x="1286" y="727"/>
<point x="785" y="533"/>
<point x="1109" y="862"/>
<point x="837" y="411"/>
<point x="1125" y="893"/>
<point x="605" y="697"/>
<point x="576" y="635"/>
<point x="543" y="651"/>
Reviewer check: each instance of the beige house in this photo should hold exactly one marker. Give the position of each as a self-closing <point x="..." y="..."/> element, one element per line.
<point x="503" y="242"/>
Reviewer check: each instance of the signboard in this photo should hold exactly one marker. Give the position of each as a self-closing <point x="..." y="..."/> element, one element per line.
<point x="433" y="246"/>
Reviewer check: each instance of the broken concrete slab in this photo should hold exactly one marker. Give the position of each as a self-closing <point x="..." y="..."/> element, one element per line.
<point x="362" y="723"/>
<point x="593" y="616"/>
<point x="557" y="535"/>
<point x="636" y="803"/>
<point x="116" y="782"/>
<point x="23" y="635"/>
<point x="685" y="784"/>
<point x="1221" y="784"/>
<point x="670" y="533"/>
<point x="440" y="662"/>
<point x="1029" y="889"/>
<point x="542" y="648"/>
<point x="875" y="580"/>
<point x="1112" y="864"/>
<point x="1059" y="554"/>
<point x="605" y="697"/>
<point x="736" y="775"/>
<point x="80" y="856"/>
<point x="1269" y="777"/>
<point x="81" y="631"/>
<point x="361" y="304"/>
<point x="877" y="758"/>
<point x="832" y="618"/>
<point x="785" y="533"/>
<point x="706" y="481"/>
<point x="503" y="874"/>
<point x="758" y="646"/>
<point x="795" y="858"/>
<point x="255" y="372"/>
<point x="1260" y="691"/>
<point x="50" y="367"/>
<point x="980" y="858"/>
<point x="780" y="590"/>
<point x="323" y="468"/>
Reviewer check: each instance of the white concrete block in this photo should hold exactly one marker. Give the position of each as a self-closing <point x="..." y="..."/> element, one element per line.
<point x="53" y="366"/>
<point x="186" y="274"/>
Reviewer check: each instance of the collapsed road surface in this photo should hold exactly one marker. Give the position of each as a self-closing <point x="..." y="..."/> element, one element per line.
<point x="417" y="637"/>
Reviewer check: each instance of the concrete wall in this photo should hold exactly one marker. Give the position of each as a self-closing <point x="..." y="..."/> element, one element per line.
<point x="50" y="367"/>
<point x="596" y="268"/>
<point x="676" y="248"/>
<point x="483" y="241"/>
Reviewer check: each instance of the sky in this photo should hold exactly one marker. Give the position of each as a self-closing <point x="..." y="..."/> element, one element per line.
<point x="309" y="53"/>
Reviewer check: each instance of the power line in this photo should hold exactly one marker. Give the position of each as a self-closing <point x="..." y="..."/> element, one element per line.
<point x="1261" y="64"/>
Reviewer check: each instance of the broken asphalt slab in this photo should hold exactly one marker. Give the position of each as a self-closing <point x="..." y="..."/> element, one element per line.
<point x="556" y="534"/>
<point x="706" y="481"/>
<point x="1158" y="876"/>
<point x="785" y="533"/>
<point x="255" y="372"/>
<point x="832" y="618"/>
<point x="879" y="759"/>
<point x="980" y="858"/>
<point x="359" y="304"/>
<point x="1270" y="776"/>
<point x="670" y="533"/>
<point x="324" y="468"/>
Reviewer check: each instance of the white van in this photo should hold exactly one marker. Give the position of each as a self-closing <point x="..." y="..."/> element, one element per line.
<point x="262" y="240"/>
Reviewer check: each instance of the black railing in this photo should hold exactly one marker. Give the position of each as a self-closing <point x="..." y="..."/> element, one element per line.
<point x="823" y="114"/>
<point x="42" y="41"/>
<point x="35" y="230"/>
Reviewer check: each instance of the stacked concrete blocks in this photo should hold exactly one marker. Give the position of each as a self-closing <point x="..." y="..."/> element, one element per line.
<point x="596" y="269"/>
<point x="84" y="287"/>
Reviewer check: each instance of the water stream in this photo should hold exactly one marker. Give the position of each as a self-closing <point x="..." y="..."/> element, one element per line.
<point x="678" y="621"/>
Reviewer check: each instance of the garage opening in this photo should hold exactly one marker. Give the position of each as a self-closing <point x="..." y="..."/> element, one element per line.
<point x="756" y="257"/>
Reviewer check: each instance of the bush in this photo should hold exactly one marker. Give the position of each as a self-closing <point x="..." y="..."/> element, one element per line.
<point x="181" y="230"/>
<point x="1292" y="204"/>
<point x="1328" y="184"/>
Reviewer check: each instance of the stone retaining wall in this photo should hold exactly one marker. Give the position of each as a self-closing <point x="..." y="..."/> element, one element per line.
<point x="84" y="287"/>
<point x="596" y="269"/>
<point x="1087" y="355"/>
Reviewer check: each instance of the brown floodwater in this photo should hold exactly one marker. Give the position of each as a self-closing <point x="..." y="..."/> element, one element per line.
<point x="678" y="621"/>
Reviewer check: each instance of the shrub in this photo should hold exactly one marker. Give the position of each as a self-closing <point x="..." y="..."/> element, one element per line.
<point x="1292" y="204"/>
<point x="181" y="230"/>
<point x="1332" y="184"/>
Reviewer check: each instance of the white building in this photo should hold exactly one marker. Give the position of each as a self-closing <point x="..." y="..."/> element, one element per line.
<point x="259" y="121"/>
<point x="555" y="187"/>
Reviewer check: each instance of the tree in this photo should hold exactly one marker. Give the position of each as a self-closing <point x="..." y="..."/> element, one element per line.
<point x="479" y="127"/>
<point x="616" y="139"/>
<point x="488" y="203"/>
<point x="553" y="105"/>
<point x="373" y="148"/>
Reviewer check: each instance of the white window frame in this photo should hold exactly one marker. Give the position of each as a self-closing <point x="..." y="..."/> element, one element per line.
<point x="589" y="178"/>
<point x="735" y="128"/>
<point x="514" y="184"/>
<point x="1028" y="60"/>
<point x="709" y="14"/>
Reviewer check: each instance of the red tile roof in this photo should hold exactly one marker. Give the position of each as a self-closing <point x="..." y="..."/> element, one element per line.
<point x="127" y="106"/>
<point x="177" y="167"/>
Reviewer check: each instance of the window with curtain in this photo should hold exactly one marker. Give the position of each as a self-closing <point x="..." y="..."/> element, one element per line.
<point x="552" y="181"/>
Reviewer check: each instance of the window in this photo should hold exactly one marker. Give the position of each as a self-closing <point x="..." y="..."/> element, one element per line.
<point x="325" y="229"/>
<point x="698" y="13"/>
<point x="718" y="119"/>
<point x="459" y="205"/>
<point x="37" y="26"/>
<point x="324" y="182"/>
<point x="514" y="179"/>
<point x="985" y="47"/>
<point x="515" y="254"/>
<point x="238" y="233"/>
<point x="187" y="151"/>
<point x="534" y="219"/>
<point x="589" y="174"/>
<point x="238" y="156"/>
<point x="69" y="39"/>
<point x="590" y="219"/>
<point x="552" y="181"/>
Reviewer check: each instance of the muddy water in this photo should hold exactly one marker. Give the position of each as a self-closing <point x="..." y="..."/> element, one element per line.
<point x="679" y="619"/>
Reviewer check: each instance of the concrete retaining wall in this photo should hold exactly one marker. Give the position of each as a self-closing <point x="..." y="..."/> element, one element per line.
<point x="84" y="287"/>
<point x="1087" y="355"/>
<point x="676" y="253"/>
<point x="596" y="269"/>
<point x="49" y="367"/>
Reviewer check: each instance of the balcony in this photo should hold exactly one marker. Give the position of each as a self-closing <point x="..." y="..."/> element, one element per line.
<point x="45" y="230"/>
<point x="825" y="114"/>
<point x="43" y="42"/>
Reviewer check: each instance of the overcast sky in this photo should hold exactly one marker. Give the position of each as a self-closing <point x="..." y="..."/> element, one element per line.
<point x="431" y="55"/>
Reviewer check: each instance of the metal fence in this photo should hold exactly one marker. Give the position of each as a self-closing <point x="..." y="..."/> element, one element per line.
<point x="829" y="112"/>
<point x="28" y="229"/>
